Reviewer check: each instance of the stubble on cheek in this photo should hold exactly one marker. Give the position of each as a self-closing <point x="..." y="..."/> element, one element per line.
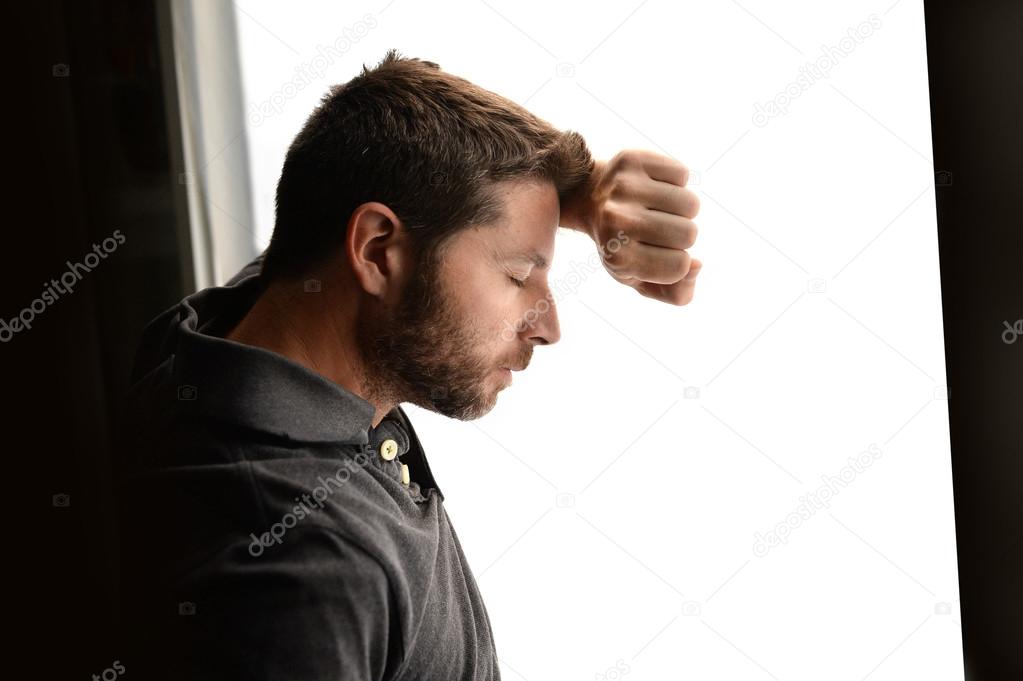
<point x="428" y="352"/>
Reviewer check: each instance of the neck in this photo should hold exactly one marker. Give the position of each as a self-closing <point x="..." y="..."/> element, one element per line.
<point x="315" y="330"/>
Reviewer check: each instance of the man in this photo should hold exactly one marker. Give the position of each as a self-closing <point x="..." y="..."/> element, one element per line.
<point x="280" y="520"/>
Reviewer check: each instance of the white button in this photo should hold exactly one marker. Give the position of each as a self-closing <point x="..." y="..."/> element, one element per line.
<point x="388" y="449"/>
<point x="405" y="478"/>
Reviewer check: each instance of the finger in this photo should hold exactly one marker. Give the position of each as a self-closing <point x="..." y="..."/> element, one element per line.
<point x="695" y="266"/>
<point x="679" y="293"/>
<point x="665" y="168"/>
<point x="667" y="198"/>
<point x="651" y="264"/>
<point x="655" y="228"/>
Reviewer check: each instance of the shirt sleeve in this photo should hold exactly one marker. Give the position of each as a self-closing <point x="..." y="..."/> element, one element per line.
<point x="314" y="606"/>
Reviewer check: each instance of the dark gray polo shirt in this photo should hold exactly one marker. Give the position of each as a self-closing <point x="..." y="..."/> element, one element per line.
<point x="268" y="531"/>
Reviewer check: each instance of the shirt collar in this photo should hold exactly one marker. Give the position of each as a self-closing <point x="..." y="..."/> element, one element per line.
<point x="396" y="426"/>
<point x="267" y="392"/>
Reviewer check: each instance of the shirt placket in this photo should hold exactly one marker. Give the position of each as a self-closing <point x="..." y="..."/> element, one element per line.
<point x="387" y="443"/>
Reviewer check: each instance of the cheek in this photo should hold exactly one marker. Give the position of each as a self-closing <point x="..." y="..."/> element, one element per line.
<point x="515" y="320"/>
<point x="492" y="302"/>
<point x="486" y="317"/>
<point x="494" y="309"/>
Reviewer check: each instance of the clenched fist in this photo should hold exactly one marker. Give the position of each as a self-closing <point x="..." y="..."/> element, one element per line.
<point x="643" y="195"/>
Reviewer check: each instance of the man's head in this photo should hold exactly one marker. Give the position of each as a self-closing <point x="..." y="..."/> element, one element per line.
<point x="424" y="196"/>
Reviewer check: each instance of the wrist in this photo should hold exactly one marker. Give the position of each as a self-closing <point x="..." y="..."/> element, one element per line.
<point x="577" y="211"/>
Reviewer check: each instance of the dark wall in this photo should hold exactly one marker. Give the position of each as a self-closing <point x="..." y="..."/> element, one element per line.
<point x="974" y="55"/>
<point x="90" y="145"/>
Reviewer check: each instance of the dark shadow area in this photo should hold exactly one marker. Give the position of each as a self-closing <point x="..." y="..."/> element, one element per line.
<point x="90" y="135"/>
<point x="973" y="53"/>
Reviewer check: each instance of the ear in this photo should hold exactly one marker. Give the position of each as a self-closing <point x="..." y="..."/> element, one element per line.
<point x="376" y="246"/>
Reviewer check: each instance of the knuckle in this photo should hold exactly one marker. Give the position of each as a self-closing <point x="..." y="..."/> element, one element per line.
<point x="694" y="204"/>
<point x="684" y="265"/>
<point x="625" y="159"/>
<point x="681" y="172"/>
<point x="614" y="218"/>
<point x="621" y="188"/>
<point x="691" y="233"/>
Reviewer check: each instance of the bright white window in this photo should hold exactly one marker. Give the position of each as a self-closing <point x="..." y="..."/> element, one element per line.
<point x="618" y="503"/>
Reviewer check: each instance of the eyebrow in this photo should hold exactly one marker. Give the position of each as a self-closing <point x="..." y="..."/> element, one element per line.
<point x="530" y="256"/>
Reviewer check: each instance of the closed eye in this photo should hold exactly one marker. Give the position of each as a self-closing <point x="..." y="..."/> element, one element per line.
<point x="521" y="283"/>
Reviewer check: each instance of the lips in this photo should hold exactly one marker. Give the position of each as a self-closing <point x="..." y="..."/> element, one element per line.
<point x="517" y="366"/>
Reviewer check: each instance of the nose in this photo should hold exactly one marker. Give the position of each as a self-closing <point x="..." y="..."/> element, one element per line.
<point x="545" y="329"/>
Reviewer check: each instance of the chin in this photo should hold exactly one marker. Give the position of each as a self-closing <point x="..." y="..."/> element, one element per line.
<point x="473" y="414"/>
<point x="476" y="410"/>
<point x="469" y="412"/>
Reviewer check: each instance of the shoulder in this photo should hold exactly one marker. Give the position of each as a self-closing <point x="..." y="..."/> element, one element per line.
<point x="310" y="604"/>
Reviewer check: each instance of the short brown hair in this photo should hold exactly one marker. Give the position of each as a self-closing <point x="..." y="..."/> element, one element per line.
<point x="428" y="144"/>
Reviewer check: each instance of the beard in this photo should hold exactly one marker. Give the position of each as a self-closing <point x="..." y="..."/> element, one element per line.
<point x="425" y="352"/>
